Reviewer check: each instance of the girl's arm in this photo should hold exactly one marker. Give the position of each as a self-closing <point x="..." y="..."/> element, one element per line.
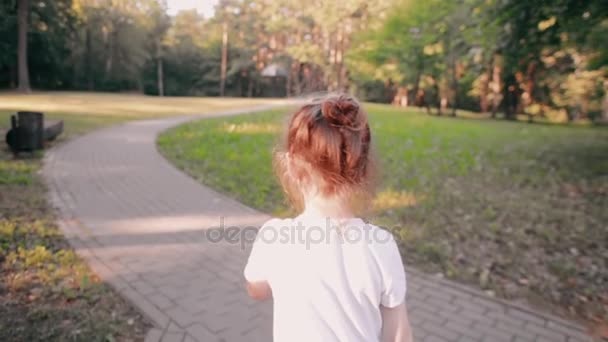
<point x="395" y="324"/>
<point x="259" y="290"/>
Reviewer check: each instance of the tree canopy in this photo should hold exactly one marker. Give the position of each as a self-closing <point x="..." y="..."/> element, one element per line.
<point x="539" y="58"/>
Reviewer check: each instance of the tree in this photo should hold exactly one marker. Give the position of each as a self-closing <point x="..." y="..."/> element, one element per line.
<point x="23" y="20"/>
<point x="419" y="39"/>
<point x="517" y="57"/>
<point x="541" y="42"/>
<point x="224" y="65"/>
<point x="157" y="25"/>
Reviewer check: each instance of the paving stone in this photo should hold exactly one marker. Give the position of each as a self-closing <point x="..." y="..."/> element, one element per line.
<point x="174" y="328"/>
<point x="154" y="335"/>
<point x="434" y="338"/>
<point x="466" y="330"/>
<point x="521" y="339"/>
<point x="172" y="337"/>
<point x="573" y="333"/>
<point x="491" y="334"/>
<point x="181" y="316"/>
<point x="143" y="287"/>
<point x="543" y="332"/>
<point x="526" y="316"/>
<point x="160" y="301"/>
<point x="202" y="334"/>
<point x="442" y="331"/>
<point x="505" y="320"/>
<point x="418" y="332"/>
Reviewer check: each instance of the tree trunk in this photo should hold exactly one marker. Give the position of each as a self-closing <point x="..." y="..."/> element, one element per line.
<point x="297" y="79"/>
<point x="88" y="59"/>
<point x="531" y="81"/>
<point x="437" y="96"/>
<point x="454" y="86"/>
<point x="512" y="97"/>
<point x="495" y="87"/>
<point x="530" y="85"/>
<point x="417" y="81"/>
<point x="13" y="77"/>
<point x="24" y="75"/>
<point x="250" y="86"/>
<point x="605" y="103"/>
<point x="339" y="60"/>
<point x="159" y="71"/>
<point x="110" y="58"/>
<point x="605" y="109"/>
<point x="484" y="103"/>
<point x="224" y="59"/>
<point x="160" y="76"/>
<point x="288" y="81"/>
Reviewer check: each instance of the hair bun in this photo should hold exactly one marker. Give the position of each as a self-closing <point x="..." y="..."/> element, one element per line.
<point x="342" y="111"/>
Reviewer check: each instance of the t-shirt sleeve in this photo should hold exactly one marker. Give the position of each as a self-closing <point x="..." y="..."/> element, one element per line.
<point x="393" y="274"/>
<point x="260" y="263"/>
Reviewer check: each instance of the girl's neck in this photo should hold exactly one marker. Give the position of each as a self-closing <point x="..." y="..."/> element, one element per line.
<point x="326" y="207"/>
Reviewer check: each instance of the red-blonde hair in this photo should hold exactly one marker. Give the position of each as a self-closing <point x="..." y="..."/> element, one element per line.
<point x="328" y="144"/>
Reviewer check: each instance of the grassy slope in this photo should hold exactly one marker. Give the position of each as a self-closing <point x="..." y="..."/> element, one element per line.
<point x="518" y="209"/>
<point x="46" y="291"/>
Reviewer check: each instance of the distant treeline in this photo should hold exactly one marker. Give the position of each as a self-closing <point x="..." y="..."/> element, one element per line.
<point x="541" y="58"/>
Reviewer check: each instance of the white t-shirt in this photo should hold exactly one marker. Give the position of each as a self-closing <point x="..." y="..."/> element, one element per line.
<point x="328" y="277"/>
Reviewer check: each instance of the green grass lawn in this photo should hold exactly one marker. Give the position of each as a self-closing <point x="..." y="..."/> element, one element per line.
<point x="517" y="209"/>
<point x="46" y="291"/>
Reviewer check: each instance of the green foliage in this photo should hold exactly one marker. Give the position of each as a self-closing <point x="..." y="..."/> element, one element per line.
<point x="17" y="172"/>
<point x="462" y="51"/>
<point x="191" y="60"/>
<point x="481" y="55"/>
<point x="50" y="33"/>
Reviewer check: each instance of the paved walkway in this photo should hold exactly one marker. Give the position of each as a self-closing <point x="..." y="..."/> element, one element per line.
<point x="141" y="225"/>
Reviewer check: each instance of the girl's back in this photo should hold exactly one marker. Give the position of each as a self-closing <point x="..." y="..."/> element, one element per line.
<point x="328" y="277"/>
<point x="330" y="274"/>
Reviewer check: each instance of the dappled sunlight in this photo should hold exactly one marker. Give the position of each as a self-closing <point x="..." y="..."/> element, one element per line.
<point x="391" y="199"/>
<point x="251" y="128"/>
<point x="186" y="222"/>
<point x="472" y="115"/>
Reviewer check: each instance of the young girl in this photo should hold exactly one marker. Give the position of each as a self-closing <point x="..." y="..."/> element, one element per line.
<point x="332" y="276"/>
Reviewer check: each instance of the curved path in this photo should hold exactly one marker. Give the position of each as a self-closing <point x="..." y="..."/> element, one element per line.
<point x="143" y="227"/>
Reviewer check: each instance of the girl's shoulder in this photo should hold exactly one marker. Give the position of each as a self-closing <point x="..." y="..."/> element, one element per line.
<point x="378" y="236"/>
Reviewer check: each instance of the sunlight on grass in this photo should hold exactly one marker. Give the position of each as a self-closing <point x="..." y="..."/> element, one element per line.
<point x="83" y="112"/>
<point x="251" y="128"/>
<point x="16" y="172"/>
<point x="121" y="105"/>
<point x="391" y="199"/>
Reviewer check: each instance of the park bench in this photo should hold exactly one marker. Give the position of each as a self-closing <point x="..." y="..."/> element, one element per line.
<point x="29" y="131"/>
